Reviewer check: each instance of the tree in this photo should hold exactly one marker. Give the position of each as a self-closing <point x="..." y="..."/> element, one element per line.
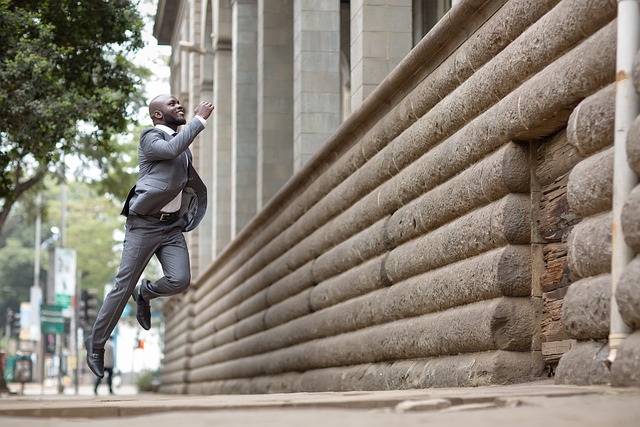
<point x="66" y="86"/>
<point x="91" y="221"/>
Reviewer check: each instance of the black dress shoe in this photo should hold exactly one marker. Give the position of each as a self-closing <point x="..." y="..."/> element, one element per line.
<point x="95" y="358"/>
<point x="143" y="312"/>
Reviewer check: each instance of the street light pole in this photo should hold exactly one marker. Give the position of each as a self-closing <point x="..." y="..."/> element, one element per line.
<point x="63" y="242"/>
<point x="36" y="284"/>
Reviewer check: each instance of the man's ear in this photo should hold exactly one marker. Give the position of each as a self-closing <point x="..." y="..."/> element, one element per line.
<point x="157" y="114"/>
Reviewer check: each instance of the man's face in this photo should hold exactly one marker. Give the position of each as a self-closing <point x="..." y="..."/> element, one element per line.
<point x="172" y="111"/>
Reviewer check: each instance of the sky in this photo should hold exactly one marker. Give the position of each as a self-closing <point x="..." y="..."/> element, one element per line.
<point x="153" y="57"/>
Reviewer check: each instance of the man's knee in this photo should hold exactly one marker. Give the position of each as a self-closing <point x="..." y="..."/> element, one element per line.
<point x="181" y="283"/>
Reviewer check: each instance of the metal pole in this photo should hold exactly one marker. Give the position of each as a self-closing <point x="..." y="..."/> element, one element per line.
<point x="63" y="241"/>
<point x="36" y="284"/>
<point x="76" y="352"/>
<point x="624" y="179"/>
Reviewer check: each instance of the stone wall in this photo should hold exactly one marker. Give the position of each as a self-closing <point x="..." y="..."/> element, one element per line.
<point x="449" y="233"/>
<point x="625" y="370"/>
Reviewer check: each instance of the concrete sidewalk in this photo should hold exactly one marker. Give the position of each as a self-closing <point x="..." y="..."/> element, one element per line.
<point x="532" y="404"/>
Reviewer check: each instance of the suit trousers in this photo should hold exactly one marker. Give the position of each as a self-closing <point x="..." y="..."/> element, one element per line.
<point x="144" y="237"/>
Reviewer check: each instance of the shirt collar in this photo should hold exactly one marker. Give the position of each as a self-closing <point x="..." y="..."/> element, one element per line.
<point x="167" y="129"/>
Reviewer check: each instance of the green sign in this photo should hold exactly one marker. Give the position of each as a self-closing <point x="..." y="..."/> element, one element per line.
<point x="51" y="319"/>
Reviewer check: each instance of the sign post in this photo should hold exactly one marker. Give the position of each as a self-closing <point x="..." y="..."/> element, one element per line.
<point x="52" y="319"/>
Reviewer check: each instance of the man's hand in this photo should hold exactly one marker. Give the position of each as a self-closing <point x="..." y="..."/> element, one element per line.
<point x="204" y="109"/>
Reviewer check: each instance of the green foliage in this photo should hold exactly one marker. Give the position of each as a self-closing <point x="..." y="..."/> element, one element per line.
<point x="148" y="381"/>
<point x="91" y="222"/>
<point x="16" y="276"/>
<point x="67" y="85"/>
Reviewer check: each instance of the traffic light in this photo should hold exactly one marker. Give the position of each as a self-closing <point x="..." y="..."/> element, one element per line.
<point x="88" y="308"/>
<point x="8" y="319"/>
<point x="15" y="324"/>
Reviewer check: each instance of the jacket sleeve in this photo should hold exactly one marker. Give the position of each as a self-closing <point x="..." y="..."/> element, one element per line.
<point x="154" y="147"/>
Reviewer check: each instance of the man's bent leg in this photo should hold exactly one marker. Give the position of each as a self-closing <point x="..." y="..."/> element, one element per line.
<point x="174" y="258"/>
<point x="140" y="243"/>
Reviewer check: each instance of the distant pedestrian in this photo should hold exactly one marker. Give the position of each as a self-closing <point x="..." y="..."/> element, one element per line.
<point x="109" y="362"/>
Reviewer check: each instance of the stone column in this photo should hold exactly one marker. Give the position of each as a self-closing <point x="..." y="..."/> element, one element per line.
<point x="275" y="97"/>
<point x="244" y="117"/>
<point x="380" y="39"/>
<point x="220" y="190"/>
<point x="192" y="35"/>
<point x="205" y="167"/>
<point x="316" y="90"/>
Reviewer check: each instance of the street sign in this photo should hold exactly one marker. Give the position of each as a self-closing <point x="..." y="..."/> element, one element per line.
<point x="52" y="320"/>
<point x="65" y="279"/>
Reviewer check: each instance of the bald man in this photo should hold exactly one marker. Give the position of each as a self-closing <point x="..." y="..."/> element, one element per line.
<point x="168" y="199"/>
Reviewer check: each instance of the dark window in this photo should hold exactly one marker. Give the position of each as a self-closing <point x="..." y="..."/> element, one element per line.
<point x="426" y="13"/>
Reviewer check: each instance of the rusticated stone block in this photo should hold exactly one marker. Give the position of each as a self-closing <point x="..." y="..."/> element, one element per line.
<point x="584" y="364"/>
<point x="365" y="245"/>
<point x="360" y="280"/>
<point x="291" y="284"/>
<point x="464" y="370"/>
<point x="625" y="370"/>
<point x="590" y="246"/>
<point x="630" y="219"/>
<point x="590" y="186"/>
<point x="591" y="125"/>
<point x="252" y="305"/>
<point x="636" y="72"/>
<point x="468" y="370"/>
<point x="291" y="308"/>
<point x="586" y="308"/>
<point x="633" y="145"/>
<point x="504" y="172"/>
<point x="628" y="294"/>
<point x="249" y="326"/>
<point x="504" y="222"/>
<point x="203" y="345"/>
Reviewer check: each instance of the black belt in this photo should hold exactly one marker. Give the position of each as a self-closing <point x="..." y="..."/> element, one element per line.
<point x="165" y="216"/>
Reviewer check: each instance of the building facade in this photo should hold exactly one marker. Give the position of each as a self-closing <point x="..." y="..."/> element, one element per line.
<point x="406" y="193"/>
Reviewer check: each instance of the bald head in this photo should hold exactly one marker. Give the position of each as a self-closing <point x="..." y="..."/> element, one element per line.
<point x="166" y="110"/>
<point x="157" y="102"/>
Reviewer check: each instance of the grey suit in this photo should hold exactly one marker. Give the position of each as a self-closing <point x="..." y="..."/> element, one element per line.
<point x="165" y="170"/>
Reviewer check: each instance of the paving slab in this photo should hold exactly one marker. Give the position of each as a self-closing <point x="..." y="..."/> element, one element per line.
<point x="532" y="404"/>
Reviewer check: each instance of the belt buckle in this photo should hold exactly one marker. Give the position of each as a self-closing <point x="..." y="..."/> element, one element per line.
<point x="165" y="217"/>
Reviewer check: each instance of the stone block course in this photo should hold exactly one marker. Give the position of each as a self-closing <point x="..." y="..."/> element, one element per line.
<point x="630" y="219"/>
<point x="586" y="309"/>
<point x="590" y="246"/>
<point x="628" y="294"/>
<point x="590" y="186"/>
<point x="591" y="125"/>
<point x="502" y="323"/>
<point x="625" y="372"/>
<point x="584" y="364"/>
<point x="633" y="146"/>
<point x="504" y="222"/>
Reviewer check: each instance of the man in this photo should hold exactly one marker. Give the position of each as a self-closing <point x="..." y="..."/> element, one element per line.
<point x="109" y="362"/>
<point x="168" y="198"/>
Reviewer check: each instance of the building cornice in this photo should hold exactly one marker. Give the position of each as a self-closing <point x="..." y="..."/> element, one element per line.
<point x="166" y="20"/>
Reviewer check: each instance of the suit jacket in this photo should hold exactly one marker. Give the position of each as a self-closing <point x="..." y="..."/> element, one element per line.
<point x="165" y="170"/>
